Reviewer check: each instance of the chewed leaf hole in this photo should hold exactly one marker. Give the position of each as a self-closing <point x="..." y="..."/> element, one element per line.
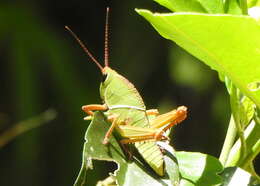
<point x="254" y="86"/>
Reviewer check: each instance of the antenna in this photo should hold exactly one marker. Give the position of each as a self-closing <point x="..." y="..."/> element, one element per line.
<point x="106" y="52"/>
<point x="84" y="48"/>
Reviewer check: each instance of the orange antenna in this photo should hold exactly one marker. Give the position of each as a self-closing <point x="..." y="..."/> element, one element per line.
<point x="106" y="40"/>
<point x="84" y="48"/>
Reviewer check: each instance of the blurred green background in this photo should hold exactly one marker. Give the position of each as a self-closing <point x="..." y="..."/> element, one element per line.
<point x="43" y="67"/>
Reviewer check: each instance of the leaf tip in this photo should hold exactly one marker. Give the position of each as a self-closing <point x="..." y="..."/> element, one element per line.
<point x="143" y="12"/>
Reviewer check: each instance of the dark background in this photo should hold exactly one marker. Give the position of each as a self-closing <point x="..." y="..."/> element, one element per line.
<point x="41" y="67"/>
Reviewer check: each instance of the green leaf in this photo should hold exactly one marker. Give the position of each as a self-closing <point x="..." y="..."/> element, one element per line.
<point x="134" y="172"/>
<point x="81" y="179"/>
<point x="182" y="6"/>
<point x="171" y="164"/>
<point x="198" y="168"/>
<point x="243" y="108"/>
<point x="172" y="168"/>
<point x="95" y="150"/>
<point x="227" y="43"/>
<point x="109" y="181"/>
<point x="212" y="6"/>
<point x="236" y="176"/>
<point x="247" y="110"/>
<point x="252" y="3"/>
<point x="186" y="183"/>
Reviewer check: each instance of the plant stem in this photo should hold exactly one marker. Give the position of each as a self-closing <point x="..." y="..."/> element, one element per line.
<point x="226" y="5"/>
<point x="236" y="107"/>
<point x="253" y="147"/>
<point x="26" y="125"/>
<point x="243" y="5"/>
<point x="251" y="156"/>
<point x="253" y="172"/>
<point x="229" y="141"/>
<point x="241" y="135"/>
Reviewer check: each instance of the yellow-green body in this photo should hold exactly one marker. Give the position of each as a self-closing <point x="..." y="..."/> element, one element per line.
<point x="124" y="102"/>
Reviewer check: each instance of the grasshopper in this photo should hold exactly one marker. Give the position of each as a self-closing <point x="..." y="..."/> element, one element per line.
<point x="125" y="109"/>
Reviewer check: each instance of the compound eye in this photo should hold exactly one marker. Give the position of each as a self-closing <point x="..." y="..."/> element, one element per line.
<point x="104" y="77"/>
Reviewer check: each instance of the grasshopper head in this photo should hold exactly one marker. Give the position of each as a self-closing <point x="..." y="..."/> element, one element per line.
<point x="108" y="76"/>
<point x="105" y="73"/>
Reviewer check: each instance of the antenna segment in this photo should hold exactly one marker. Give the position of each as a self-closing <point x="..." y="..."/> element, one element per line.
<point x="106" y="52"/>
<point x="84" y="48"/>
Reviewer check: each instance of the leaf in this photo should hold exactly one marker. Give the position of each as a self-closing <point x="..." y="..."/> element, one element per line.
<point x="81" y="178"/>
<point x="236" y="176"/>
<point x="212" y="6"/>
<point x="248" y="110"/>
<point x="181" y="6"/>
<point x="109" y="181"/>
<point x="135" y="172"/>
<point x="171" y="164"/>
<point x="195" y="168"/>
<point x="243" y="108"/>
<point x="186" y="183"/>
<point x="95" y="150"/>
<point x="252" y="3"/>
<point x="172" y="168"/>
<point x="200" y="169"/>
<point x="229" y="44"/>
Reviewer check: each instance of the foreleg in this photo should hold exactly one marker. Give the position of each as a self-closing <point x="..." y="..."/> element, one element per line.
<point x="90" y="108"/>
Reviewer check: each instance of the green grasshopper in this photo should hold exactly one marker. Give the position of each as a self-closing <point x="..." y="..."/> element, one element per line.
<point x="126" y="110"/>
